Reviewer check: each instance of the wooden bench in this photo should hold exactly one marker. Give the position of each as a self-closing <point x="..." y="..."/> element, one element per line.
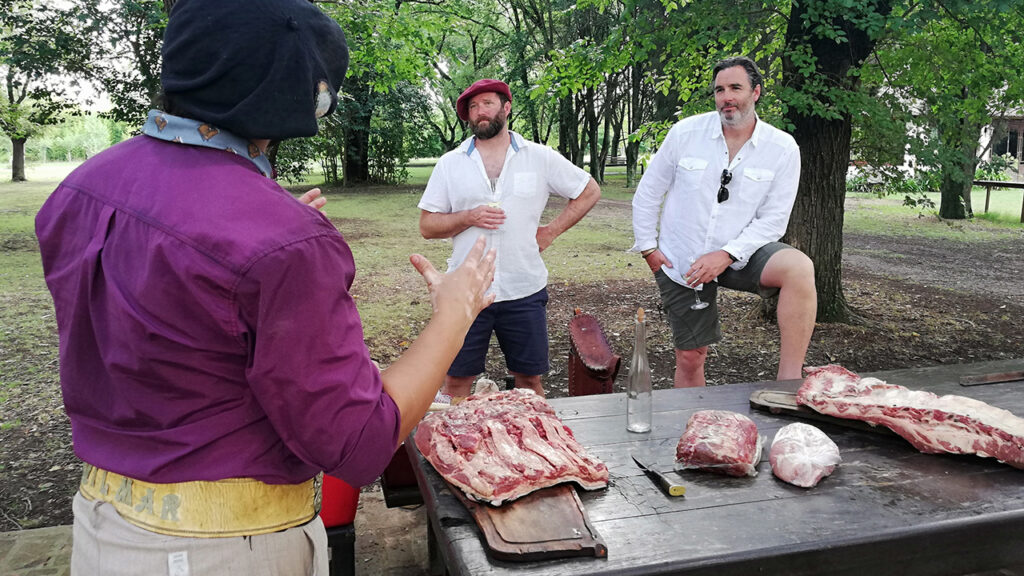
<point x="990" y="184"/>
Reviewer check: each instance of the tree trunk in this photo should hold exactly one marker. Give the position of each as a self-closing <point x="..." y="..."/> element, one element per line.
<point x="590" y="114"/>
<point x="958" y="175"/>
<point x="568" y="129"/>
<point x="605" y="142"/>
<point x="957" y="183"/>
<point x="18" y="159"/>
<point x="530" y="107"/>
<point x="816" y="224"/>
<point x="633" y="118"/>
<point x="356" y="166"/>
<point x="357" y="154"/>
<point x="951" y="205"/>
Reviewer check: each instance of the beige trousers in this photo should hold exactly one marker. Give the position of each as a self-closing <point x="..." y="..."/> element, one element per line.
<point x="106" y="544"/>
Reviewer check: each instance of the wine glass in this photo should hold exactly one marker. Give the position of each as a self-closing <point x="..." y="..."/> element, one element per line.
<point x="698" y="305"/>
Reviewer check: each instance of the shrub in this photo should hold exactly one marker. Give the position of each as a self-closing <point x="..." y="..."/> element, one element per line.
<point x="995" y="168"/>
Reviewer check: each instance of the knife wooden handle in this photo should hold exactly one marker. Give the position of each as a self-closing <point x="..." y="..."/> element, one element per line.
<point x="667" y="485"/>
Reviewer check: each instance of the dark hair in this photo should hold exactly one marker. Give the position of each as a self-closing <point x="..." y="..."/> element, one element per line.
<point x="753" y="74"/>
<point x="168" y="105"/>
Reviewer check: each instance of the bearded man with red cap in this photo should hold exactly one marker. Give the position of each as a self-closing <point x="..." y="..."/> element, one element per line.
<point x="211" y="356"/>
<point x="497" y="183"/>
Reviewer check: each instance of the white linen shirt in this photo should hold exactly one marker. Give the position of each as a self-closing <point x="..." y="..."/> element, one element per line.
<point x="681" y="183"/>
<point x="531" y="173"/>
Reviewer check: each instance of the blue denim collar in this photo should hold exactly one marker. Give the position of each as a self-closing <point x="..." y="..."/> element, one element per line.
<point x="195" y="133"/>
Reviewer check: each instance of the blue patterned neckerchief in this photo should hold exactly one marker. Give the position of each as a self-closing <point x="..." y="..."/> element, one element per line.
<point x="193" y="132"/>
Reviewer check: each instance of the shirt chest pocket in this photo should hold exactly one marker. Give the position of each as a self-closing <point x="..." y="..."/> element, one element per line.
<point x="756" y="184"/>
<point x="759" y="175"/>
<point x="524" y="184"/>
<point x="690" y="170"/>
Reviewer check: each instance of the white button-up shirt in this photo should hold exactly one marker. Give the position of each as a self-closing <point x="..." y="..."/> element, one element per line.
<point x="531" y="173"/>
<point x="681" y="185"/>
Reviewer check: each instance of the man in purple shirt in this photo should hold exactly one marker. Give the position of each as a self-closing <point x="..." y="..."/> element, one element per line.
<point x="212" y="358"/>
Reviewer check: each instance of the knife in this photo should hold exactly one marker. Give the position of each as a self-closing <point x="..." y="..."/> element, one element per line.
<point x="664" y="482"/>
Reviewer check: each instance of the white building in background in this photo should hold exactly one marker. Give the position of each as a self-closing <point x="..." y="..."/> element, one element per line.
<point x="1008" y="134"/>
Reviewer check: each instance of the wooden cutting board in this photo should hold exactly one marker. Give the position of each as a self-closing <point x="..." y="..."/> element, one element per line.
<point x="779" y="402"/>
<point x="549" y="523"/>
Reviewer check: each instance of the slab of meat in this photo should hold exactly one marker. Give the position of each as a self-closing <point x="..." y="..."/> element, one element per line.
<point x="719" y="441"/>
<point x="802" y="455"/>
<point x="933" y="424"/>
<point x="499" y="447"/>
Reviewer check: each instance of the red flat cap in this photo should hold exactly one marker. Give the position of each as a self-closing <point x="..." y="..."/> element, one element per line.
<point x="479" y="87"/>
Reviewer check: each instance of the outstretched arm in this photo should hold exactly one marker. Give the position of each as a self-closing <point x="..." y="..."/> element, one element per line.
<point x="456" y="299"/>
<point x="573" y="212"/>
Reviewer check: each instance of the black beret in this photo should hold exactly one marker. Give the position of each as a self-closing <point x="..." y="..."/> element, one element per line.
<point x="257" y="68"/>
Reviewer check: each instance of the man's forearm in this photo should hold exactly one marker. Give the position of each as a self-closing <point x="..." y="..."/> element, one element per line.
<point x="415" y="377"/>
<point x="576" y="209"/>
<point x="442" y="225"/>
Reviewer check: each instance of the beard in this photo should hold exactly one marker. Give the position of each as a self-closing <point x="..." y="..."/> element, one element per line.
<point x="736" y="117"/>
<point x="489" y="129"/>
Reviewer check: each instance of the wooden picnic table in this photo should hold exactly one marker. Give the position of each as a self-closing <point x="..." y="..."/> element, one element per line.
<point x="990" y="184"/>
<point x="887" y="509"/>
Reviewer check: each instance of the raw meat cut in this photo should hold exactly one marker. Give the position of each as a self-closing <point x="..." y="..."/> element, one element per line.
<point x="499" y="447"/>
<point x="933" y="424"/>
<point x="802" y="455"/>
<point x="719" y="441"/>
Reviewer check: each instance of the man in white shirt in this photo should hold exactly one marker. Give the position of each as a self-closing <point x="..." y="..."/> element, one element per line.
<point x="714" y="201"/>
<point x="497" y="184"/>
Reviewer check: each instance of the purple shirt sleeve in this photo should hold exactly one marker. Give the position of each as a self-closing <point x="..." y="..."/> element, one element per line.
<point x="309" y="368"/>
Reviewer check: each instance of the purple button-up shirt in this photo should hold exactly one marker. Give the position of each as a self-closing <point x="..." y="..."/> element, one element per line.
<point x="206" y="328"/>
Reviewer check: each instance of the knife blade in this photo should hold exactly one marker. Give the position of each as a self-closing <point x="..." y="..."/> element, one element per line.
<point x="664" y="482"/>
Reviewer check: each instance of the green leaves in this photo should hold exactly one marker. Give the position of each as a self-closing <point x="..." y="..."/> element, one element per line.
<point x="945" y="75"/>
<point x="131" y="32"/>
<point x="40" y="47"/>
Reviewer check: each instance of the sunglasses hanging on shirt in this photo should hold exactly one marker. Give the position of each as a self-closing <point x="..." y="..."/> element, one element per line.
<point x="723" y="192"/>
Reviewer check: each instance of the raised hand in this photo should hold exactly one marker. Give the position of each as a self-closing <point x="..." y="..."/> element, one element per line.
<point x="314" y="199"/>
<point x="464" y="291"/>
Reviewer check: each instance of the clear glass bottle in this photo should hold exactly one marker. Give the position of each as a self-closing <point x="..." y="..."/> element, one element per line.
<point x="638" y="387"/>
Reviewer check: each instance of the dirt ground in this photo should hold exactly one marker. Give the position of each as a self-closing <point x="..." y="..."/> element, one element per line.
<point x="925" y="302"/>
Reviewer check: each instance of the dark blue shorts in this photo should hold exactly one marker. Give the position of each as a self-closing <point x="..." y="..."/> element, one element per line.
<point x="522" y="330"/>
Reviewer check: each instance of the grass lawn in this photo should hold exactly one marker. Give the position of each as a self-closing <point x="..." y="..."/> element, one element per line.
<point x="869" y="214"/>
<point x="1004" y="205"/>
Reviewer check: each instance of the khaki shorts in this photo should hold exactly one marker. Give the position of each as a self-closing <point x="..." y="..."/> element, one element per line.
<point x="693" y="329"/>
<point x="104" y="543"/>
